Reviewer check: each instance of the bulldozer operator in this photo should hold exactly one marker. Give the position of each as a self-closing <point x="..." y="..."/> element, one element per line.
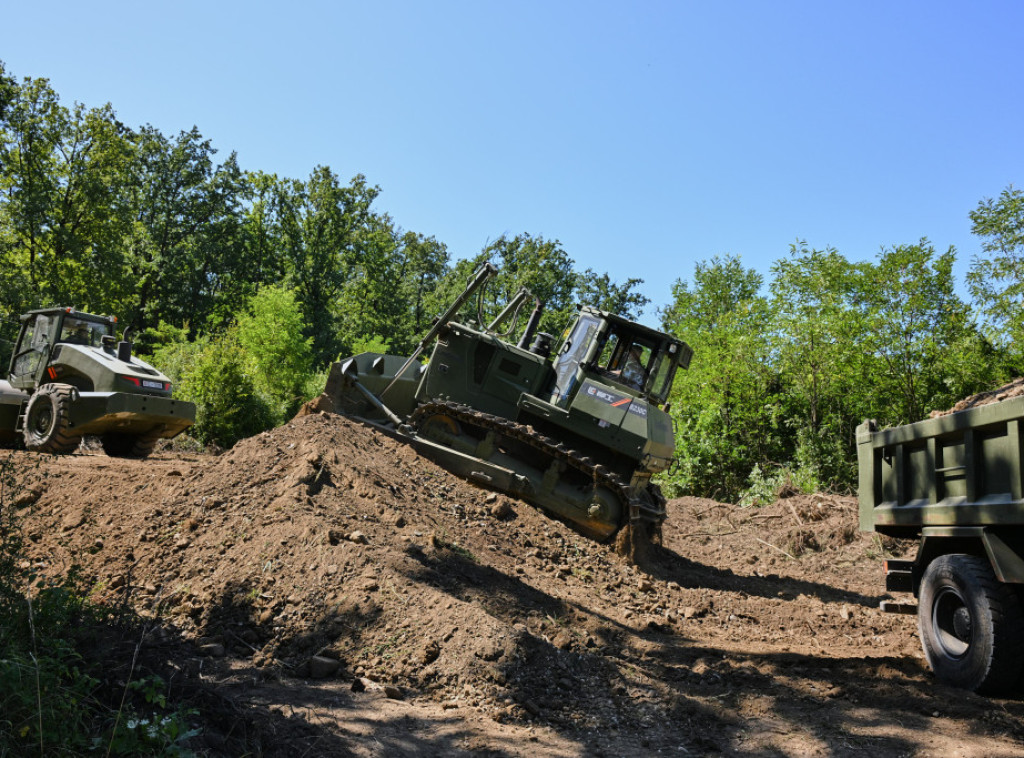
<point x="632" y="373"/>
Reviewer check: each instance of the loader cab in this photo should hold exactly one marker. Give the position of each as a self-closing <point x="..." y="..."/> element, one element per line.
<point x="618" y="352"/>
<point x="42" y="330"/>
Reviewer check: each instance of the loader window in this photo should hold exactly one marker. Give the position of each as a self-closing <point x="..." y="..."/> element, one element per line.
<point x="33" y="348"/>
<point x="632" y="365"/>
<point x="609" y="352"/>
<point x="81" y="332"/>
<point x="38" y="334"/>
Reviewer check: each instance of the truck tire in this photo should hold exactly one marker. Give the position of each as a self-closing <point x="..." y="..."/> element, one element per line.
<point x="971" y="625"/>
<point x="120" y="445"/>
<point x="47" y="420"/>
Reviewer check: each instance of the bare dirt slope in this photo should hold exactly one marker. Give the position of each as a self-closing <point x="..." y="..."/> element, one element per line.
<point x="323" y="590"/>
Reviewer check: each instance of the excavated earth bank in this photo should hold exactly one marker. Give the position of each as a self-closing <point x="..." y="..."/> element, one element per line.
<point x="321" y="589"/>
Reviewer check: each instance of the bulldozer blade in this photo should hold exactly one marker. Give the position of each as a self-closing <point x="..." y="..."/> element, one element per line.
<point x="354" y="387"/>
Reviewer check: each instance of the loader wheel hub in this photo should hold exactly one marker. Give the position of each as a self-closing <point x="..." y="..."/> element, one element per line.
<point x="42" y="419"/>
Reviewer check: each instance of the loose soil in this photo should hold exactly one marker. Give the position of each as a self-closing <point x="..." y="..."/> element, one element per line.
<point x="321" y="589"/>
<point x="1013" y="388"/>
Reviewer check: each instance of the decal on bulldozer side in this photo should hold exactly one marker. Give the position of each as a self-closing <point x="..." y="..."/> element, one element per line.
<point x="615" y="401"/>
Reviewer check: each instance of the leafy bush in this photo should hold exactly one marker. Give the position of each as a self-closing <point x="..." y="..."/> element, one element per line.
<point x="248" y="379"/>
<point x="764" y="488"/>
<point x="228" y="406"/>
<point x="173" y="353"/>
<point x="372" y="344"/>
<point x="279" y="358"/>
<point x="709" y="461"/>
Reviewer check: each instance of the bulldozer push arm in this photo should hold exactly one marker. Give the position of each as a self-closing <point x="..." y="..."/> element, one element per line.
<point x="485" y="272"/>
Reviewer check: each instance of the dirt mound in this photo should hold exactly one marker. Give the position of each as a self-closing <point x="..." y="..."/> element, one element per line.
<point x="1011" y="389"/>
<point x="339" y="594"/>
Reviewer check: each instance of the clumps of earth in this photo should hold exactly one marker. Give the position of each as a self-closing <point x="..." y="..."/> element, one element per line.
<point x="1009" y="390"/>
<point x="322" y="589"/>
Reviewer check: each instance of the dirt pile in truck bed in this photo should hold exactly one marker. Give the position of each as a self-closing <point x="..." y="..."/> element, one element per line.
<point x="1008" y="390"/>
<point x="336" y="594"/>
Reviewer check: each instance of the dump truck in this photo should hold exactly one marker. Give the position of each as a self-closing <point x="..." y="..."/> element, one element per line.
<point x="70" y="376"/>
<point x="579" y="434"/>
<point x="954" y="484"/>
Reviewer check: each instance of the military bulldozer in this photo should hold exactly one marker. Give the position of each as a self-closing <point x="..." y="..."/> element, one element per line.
<point x="580" y="435"/>
<point x="70" y="376"/>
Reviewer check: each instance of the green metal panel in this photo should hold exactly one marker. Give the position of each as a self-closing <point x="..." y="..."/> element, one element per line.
<point x="481" y="371"/>
<point x="661" y="447"/>
<point x="599" y="401"/>
<point x="379" y="375"/>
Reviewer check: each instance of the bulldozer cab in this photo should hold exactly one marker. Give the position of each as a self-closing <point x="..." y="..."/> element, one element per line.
<point x="612" y="349"/>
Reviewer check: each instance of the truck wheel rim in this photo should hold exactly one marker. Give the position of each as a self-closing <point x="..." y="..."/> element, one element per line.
<point x="952" y="622"/>
<point x="41" y="421"/>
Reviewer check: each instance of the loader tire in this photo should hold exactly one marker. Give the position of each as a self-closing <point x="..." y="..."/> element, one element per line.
<point x="971" y="625"/>
<point x="47" y="420"/>
<point x="120" y="445"/>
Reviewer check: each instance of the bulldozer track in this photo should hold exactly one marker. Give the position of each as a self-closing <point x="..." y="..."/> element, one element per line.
<point x="638" y="507"/>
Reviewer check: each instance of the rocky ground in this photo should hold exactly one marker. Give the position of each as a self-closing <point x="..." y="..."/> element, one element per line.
<point x="321" y="589"/>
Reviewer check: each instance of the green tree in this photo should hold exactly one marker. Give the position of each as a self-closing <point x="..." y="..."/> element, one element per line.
<point x="926" y="351"/>
<point x="996" y="281"/>
<point x="815" y="335"/>
<point x="279" y="357"/>
<point x="59" y="200"/>
<point x="424" y="263"/>
<point x="321" y="221"/>
<point x="8" y="91"/>
<point x="372" y="301"/>
<point x="392" y="279"/>
<point x="257" y="256"/>
<point x="599" y="291"/>
<point x="725" y="404"/>
<point x="185" y="222"/>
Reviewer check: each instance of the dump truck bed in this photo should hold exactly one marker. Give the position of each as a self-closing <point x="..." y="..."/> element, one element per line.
<point x="962" y="469"/>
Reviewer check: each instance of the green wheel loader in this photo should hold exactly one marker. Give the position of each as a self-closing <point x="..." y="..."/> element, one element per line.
<point x="70" y="376"/>
<point x="579" y="434"/>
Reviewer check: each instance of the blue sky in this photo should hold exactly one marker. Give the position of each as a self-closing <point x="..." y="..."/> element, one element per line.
<point x="645" y="136"/>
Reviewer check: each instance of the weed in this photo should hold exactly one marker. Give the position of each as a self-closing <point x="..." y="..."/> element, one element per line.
<point x="52" y="698"/>
<point x="764" y="488"/>
<point x="581" y="573"/>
